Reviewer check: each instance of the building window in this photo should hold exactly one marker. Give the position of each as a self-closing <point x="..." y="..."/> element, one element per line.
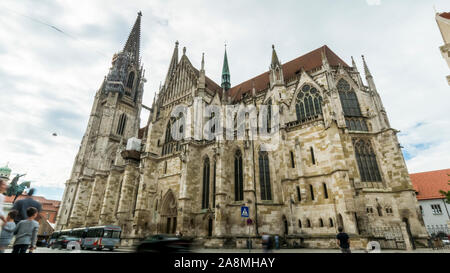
<point x="205" y="195"/>
<point x="170" y="145"/>
<point x="320" y="222"/>
<point x="356" y="124"/>
<point x="264" y="176"/>
<point x="331" y="223"/>
<point x="165" y="167"/>
<point x="369" y="210"/>
<point x="349" y="99"/>
<point x="308" y="223"/>
<point x="269" y="116"/>
<point x="299" y="196"/>
<point x="421" y="210"/>
<point x="238" y="177"/>
<point x="325" y="191"/>
<point x="130" y="80"/>
<point x="313" y="158"/>
<point x="308" y="104"/>
<point x="367" y="161"/>
<point x="122" y="123"/>
<point x="311" y="189"/>
<point x="292" y="159"/>
<point x="436" y="209"/>
<point x="299" y="223"/>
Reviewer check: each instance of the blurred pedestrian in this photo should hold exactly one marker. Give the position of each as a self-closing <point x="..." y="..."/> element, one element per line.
<point x="22" y="205"/>
<point x="343" y="241"/>
<point x="26" y="233"/>
<point x="3" y="188"/>
<point x="265" y="242"/>
<point x="7" y="230"/>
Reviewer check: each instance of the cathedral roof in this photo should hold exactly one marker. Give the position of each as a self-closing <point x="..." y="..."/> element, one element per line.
<point x="308" y="62"/>
<point x="428" y="184"/>
<point x="445" y="15"/>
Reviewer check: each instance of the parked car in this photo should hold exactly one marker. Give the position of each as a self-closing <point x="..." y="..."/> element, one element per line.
<point x="62" y="242"/>
<point x="164" y="243"/>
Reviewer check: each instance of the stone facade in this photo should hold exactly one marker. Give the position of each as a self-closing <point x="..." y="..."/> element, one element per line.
<point x="189" y="186"/>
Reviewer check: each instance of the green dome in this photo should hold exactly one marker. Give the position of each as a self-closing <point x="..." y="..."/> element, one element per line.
<point x="5" y="171"/>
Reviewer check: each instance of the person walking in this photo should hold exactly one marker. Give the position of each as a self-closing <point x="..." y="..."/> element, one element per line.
<point x="26" y="232"/>
<point x="22" y="205"/>
<point x="3" y="188"/>
<point x="7" y="230"/>
<point x="265" y="242"/>
<point x="343" y="240"/>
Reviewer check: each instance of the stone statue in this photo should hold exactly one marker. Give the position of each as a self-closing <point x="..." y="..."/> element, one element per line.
<point x="15" y="189"/>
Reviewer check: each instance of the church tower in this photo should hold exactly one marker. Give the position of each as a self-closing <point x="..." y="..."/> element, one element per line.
<point x="226" y="81"/>
<point x="115" y="117"/>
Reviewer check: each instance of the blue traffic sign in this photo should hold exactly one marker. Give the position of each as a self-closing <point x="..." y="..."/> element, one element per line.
<point x="245" y="212"/>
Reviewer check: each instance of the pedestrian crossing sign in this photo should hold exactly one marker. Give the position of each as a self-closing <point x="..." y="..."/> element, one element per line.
<point x="244" y="212"/>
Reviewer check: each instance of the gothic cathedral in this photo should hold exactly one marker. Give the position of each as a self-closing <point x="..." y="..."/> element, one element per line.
<point x="338" y="162"/>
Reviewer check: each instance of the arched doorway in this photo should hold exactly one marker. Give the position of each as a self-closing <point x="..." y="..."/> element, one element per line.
<point x="168" y="220"/>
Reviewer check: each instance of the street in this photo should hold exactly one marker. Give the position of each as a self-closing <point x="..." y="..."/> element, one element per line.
<point x="209" y="250"/>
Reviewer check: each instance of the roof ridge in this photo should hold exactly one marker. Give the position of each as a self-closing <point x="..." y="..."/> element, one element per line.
<point x="448" y="169"/>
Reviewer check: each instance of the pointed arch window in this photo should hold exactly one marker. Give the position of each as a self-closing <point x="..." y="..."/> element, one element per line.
<point x="325" y="191"/>
<point x="264" y="176"/>
<point x="311" y="189"/>
<point x="367" y="161"/>
<point x="130" y="80"/>
<point x="170" y="145"/>
<point x="122" y="123"/>
<point x="308" y="104"/>
<point x="238" y="177"/>
<point x="349" y="99"/>
<point x="205" y="193"/>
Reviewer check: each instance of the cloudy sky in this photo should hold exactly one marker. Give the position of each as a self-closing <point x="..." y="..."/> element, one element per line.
<point x="54" y="55"/>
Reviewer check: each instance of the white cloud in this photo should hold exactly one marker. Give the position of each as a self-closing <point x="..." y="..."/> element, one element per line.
<point x="48" y="80"/>
<point x="373" y="2"/>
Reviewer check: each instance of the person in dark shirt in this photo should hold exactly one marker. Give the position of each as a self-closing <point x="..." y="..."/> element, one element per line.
<point x="343" y="241"/>
<point x="22" y="205"/>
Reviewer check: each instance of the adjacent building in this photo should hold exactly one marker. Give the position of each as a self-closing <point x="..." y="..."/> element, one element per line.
<point x="435" y="211"/>
<point x="49" y="207"/>
<point x="338" y="162"/>
<point x="443" y="21"/>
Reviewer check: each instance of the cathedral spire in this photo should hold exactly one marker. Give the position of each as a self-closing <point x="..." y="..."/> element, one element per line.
<point x="132" y="45"/>
<point x="173" y="63"/>
<point x="369" y="77"/>
<point x="276" y="70"/>
<point x="275" y="60"/>
<point x="366" y="68"/>
<point x="354" y="64"/>
<point x="226" y="85"/>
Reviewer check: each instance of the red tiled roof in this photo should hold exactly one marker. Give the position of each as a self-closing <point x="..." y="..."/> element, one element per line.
<point x="445" y="15"/>
<point x="428" y="184"/>
<point x="308" y="62"/>
<point x="40" y="199"/>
